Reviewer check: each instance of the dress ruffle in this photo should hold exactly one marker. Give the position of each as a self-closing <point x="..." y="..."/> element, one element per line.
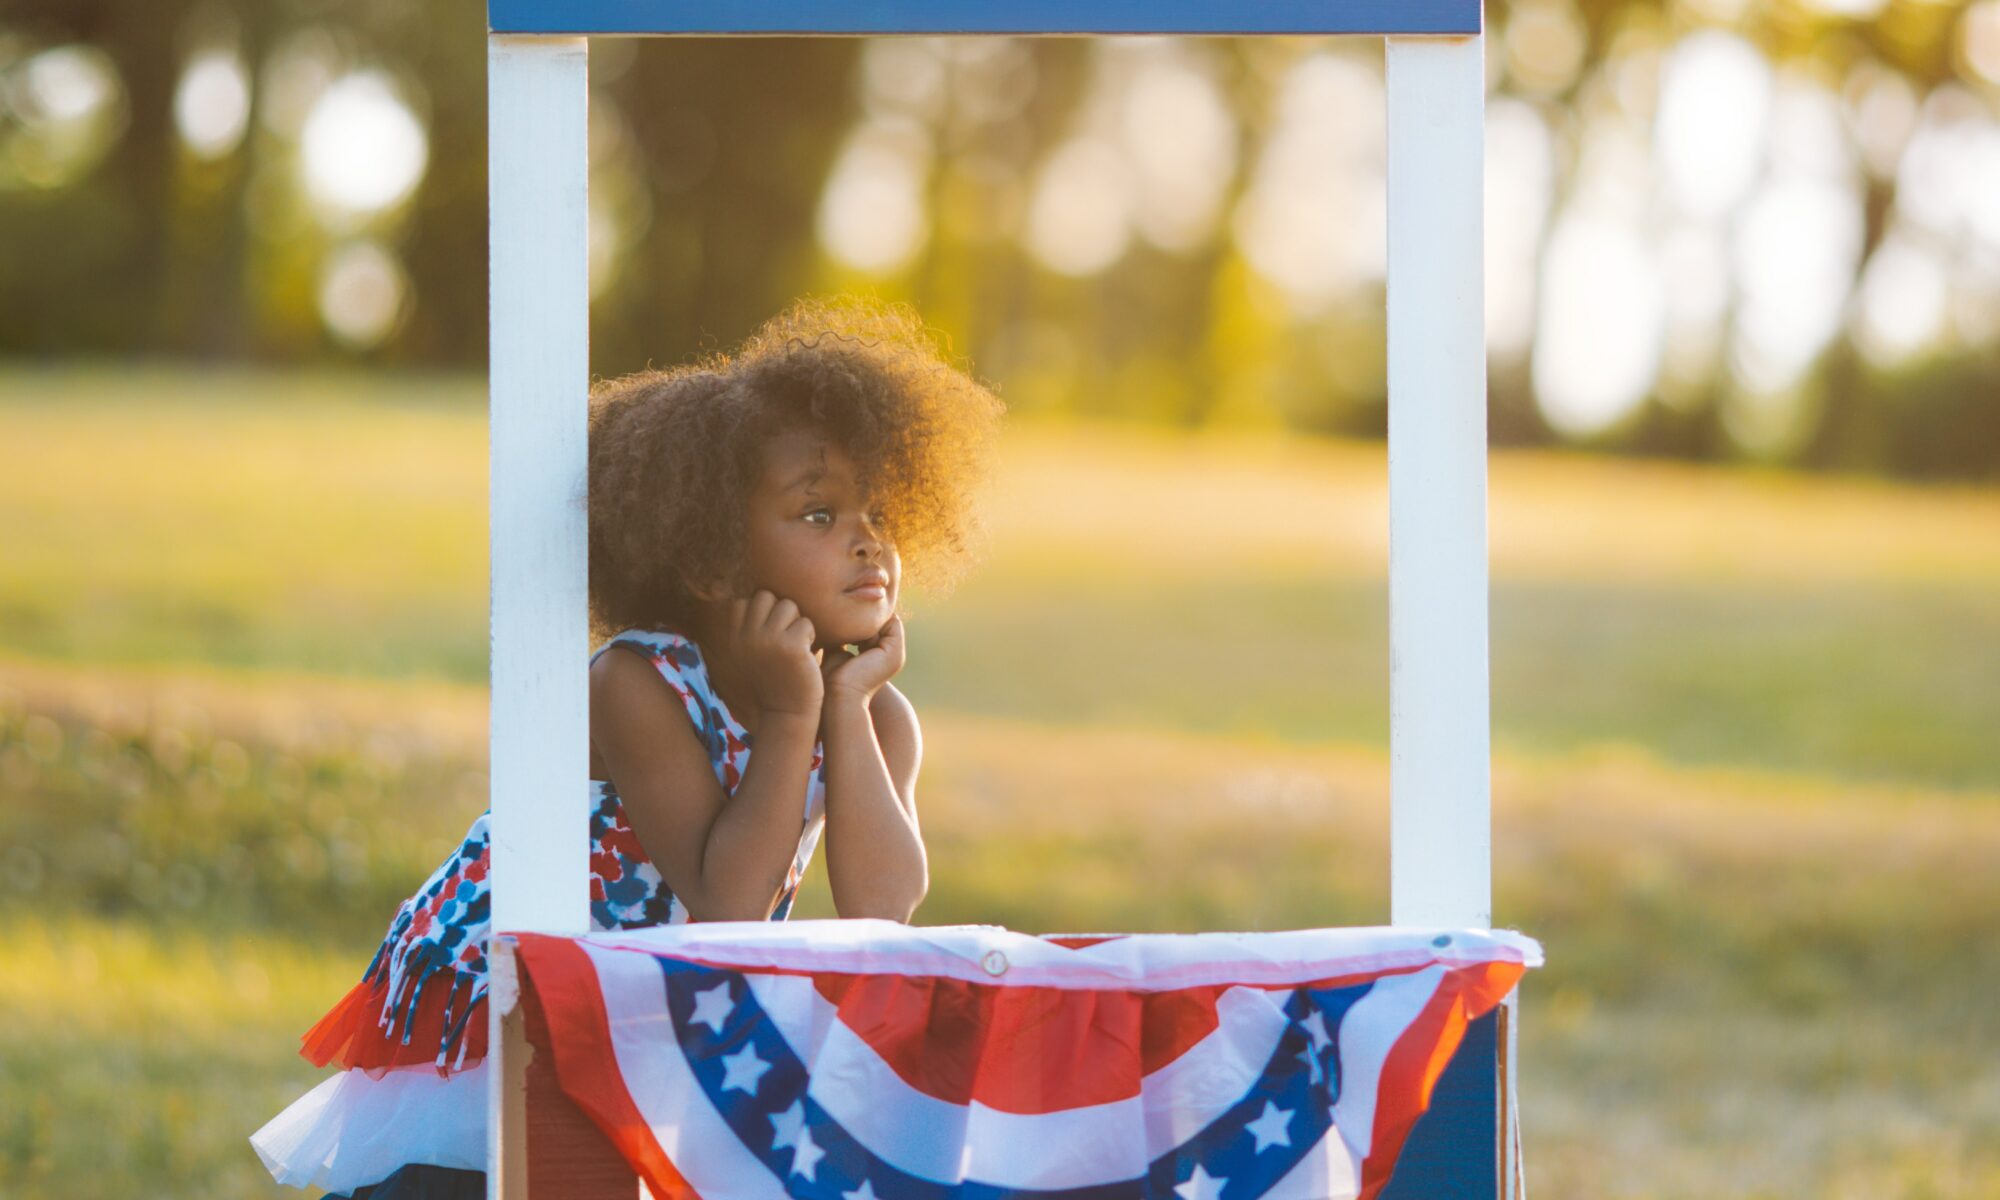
<point x="445" y="1027"/>
<point x="358" y="1128"/>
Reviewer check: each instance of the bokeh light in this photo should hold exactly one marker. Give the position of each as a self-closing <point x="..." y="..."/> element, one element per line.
<point x="1314" y="218"/>
<point x="621" y="195"/>
<point x="1694" y="256"/>
<point x="1979" y="40"/>
<point x="1178" y="138"/>
<point x="362" y="148"/>
<point x="1795" y="252"/>
<point x="1520" y="188"/>
<point x="1880" y="110"/>
<point x="1850" y="9"/>
<point x="1079" y="217"/>
<point x="67" y="104"/>
<point x="1797" y="242"/>
<point x="903" y="76"/>
<point x="293" y="78"/>
<point x="362" y="292"/>
<point x="1597" y="344"/>
<point x="872" y="214"/>
<point x="1709" y="136"/>
<point x="212" y="103"/>
<point x="1904" y="298"/>
<point x="1544" y="43"/>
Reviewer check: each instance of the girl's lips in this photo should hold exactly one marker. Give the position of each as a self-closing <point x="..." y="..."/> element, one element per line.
<point x="869" y="591"/>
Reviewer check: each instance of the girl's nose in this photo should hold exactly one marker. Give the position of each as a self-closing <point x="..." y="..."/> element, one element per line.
<point x="871" y="540"/>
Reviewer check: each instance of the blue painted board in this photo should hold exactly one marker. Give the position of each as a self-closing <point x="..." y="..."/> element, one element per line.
<point x="1379" y="17"/>
<point x="1453" y="1153"/>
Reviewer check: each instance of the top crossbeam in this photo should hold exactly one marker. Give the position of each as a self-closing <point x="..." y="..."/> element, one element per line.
<point x="1399" y="18"/>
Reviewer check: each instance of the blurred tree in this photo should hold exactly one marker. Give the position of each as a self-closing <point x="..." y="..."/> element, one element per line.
<point x="713" y="161"/>
<point x="111" y="294"/>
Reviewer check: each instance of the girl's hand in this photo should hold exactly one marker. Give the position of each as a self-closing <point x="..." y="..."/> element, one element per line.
<point x="774" y="643"/>
<point x="863" y="674"/>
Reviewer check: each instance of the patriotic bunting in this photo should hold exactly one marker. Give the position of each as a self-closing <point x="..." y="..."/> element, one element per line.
<point x="868" y="1060"/>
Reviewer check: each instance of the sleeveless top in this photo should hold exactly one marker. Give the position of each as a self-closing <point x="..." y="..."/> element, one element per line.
<point x="428" y="977"/>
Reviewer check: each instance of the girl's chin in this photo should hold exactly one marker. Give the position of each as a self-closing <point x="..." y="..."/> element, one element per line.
<point x="848" y="634"/>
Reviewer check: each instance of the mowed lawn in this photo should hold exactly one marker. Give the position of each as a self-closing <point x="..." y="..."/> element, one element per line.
<point x="1747" y="784"/>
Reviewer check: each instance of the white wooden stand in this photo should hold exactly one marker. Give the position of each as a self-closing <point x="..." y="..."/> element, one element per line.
<point x="538" y="168"/>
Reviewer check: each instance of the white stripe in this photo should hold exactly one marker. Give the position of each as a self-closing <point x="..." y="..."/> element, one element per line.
<point x="1149" y="962"/>
<point x="1327" y="1172"/>
<point x="1367" y="1033"/>
<point x="1074" y="1147"/>
<point x="677" y="1113"/>
<point x="1333" y="1170"/>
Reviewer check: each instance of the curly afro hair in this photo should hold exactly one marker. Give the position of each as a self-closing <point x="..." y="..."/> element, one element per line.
<point x="675" y="454"/>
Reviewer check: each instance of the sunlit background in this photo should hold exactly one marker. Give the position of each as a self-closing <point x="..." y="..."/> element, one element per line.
<point x="1743" y="308"/>
<point x="1715" y="230"/>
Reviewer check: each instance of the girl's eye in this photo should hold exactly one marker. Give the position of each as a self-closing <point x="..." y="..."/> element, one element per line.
<point x="815" y="512"/>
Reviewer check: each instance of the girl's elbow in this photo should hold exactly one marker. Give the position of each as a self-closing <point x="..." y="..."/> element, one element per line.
<point x="897" y="906"/>
<point x="722" y="906"/>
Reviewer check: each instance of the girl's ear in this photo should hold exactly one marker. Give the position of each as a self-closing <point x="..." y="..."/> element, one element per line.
<point x="712" y="590"/>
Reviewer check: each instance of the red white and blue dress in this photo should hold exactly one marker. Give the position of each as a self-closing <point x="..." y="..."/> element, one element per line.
<point x="411" y="1036"/>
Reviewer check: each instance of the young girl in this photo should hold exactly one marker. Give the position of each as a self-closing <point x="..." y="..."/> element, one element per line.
<point x="751" y="517"/>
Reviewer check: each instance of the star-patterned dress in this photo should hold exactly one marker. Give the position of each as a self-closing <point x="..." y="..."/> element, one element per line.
<point x="411" y="1036"/>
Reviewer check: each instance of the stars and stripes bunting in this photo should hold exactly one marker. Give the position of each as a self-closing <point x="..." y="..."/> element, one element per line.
<point x="864" y="1060"/>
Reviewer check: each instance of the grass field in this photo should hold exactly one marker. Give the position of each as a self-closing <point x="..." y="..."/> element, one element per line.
<point x="1747" y="786"/>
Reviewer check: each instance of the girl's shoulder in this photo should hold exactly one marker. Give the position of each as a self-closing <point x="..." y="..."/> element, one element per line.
<point x="669" y="649"/>
<point x="679" y="661"/>
<point x="673" y="654"/>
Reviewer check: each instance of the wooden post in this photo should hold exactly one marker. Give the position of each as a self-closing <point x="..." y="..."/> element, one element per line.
<point x="537" y="166"/>
<point x="1440" y="772"/>
<point x="1440" y="828"/>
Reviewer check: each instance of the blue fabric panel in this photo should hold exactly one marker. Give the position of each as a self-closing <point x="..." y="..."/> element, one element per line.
<point x="1454" y="1152"/>
<point x="966" y="16"/>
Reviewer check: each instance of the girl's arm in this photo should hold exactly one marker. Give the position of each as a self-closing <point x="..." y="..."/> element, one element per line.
<point x="874" y="852"/>
<point x="725" y="857"/>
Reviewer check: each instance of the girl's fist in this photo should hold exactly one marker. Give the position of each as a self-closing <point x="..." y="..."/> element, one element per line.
<point x="774" y="642"/>
<point x="864" y="674"/>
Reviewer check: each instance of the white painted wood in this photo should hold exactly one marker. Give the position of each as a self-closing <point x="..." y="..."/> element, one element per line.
<point x="507" y="1091"/>
<point x="539" y="384"/>
<point x="1440" y="777"/>
<point x="1512" y="1173"/>
<point x="537" y="116"/>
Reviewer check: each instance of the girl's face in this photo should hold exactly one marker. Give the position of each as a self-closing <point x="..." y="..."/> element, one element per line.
<point x="814" y="540"/>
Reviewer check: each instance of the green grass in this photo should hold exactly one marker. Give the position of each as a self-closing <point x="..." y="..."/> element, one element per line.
<point x="1746" y="788"/>
<point x="1750" y="977"/>
<point x="1223" y="584"/>
<point x="139" y="1055"/>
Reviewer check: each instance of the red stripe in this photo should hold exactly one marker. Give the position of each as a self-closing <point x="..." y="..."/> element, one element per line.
<point x="1418" y="1058"/>
<point x="586" y="1066"/>
<point x="1019" y="1049"/>
<point x="1025" y="1049"/>
<point x="1061" y="1048"/>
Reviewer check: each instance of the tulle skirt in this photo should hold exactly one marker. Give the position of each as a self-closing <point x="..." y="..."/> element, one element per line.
<point x="357" y="1131"/>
